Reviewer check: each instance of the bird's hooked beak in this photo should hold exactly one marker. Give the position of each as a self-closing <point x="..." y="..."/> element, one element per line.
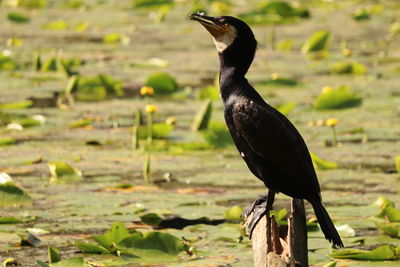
<point x="211" y="24"/>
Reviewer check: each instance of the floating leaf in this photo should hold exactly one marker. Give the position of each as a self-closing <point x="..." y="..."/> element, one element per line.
<point x="233" y="213"/>
<point x="383" y="202"/>
<point x="80" y="123"/>
<point x="348" y="68"/>
<point x="81" y="27"/>
<point x="279" y="216"/>
<point x="116" y="38"/>
<point x="322" y="164"/>
<point x="56" y="25"/>
<point x="63" y="172"/>
<point x="10" y="194"/>
<point x="71" y="262"/>
<point x="285" y="45"/>
<point x="397" y="163"/>
<point x="50" y="64"/>
<point x="152" y="245"/>
<point x="362" y="14"/>
<point x="53" y="255"/>
<point x="16" y="105"/>
<point x="17" y="17"/>
<point x="9" y="220"/>
<point x="7" y="62"/>
<point x="317" y="42"/>
<point x="113" y="236"/>
<point x="97" y="88"/>
<point x="338" y="98"/>
<point x="273" y="12"/>
<point x="32" y="3"/>
<point x="92" y="248"/>
<point x="389" y="228"/>
<point x="209" y="92"/>
<point x="160" y="131"/>
<point x="7" y="141"/>
<point x="152" y="219"/>
<point x="379" y="254"/>
<point x="217" y="135"/>
<point x="286" y="108"/>
<point x="162" y="82"/>
<point x="151" y="3"/>
<point x="202" y="117"/>
<point x="392" y="214"/>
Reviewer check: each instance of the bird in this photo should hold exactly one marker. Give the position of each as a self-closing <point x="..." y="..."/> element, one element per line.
<point x="271" y="146"/>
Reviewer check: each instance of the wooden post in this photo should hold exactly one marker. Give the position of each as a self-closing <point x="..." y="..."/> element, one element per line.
<point x="284" y="247"/>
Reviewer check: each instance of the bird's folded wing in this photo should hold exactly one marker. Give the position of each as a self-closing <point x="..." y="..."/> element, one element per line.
<point x="273" y="137"/>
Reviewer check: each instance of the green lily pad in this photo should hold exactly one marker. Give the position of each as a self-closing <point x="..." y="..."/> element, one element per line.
<point x="321" y="163"/>
<point x="53" y="255"/>
<point x="80" y="123"/>
<point x="162" y="82"/>
<point x="209" y="92"/>
<point x="92" y="248"/>
<point x="317" y="42"/>
<point x="338" y="98"/>
<point x="10" y="194"/>
<point x="151" y="3"/>
<point x="62" y="172"/>
<point x="152" y="245"/>
<point x="113" y="236"/>
<point x="16" y="105"/>
<point x="116" y="38"/>
<point x="397" y="163"/>
<point x="389" y="228"/>
<point x="233" y="213"/>
<point x="9" y="220"/>
<point x="56" y="25"/>
<point x="17" y="17"/>
<point x="6" y="141"/>
<point x="280" y="216"/>
<point x="379" y="254"/>
<point x="348" y="68"/>
<point x="152" y="219"/>
<point x="7" y="62"/>
<point x="32" y="3"/>
<point x="71" y="262"/>
<point x="202" y="117"/>
<point x="272" y="12"/>
<point x="392" y="214"/>
<point x="160" y="131"/>
<point x="217" y="135"/>
<point x="286" y="108"/>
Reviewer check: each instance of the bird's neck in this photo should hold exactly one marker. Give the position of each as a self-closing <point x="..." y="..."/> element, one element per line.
<point x="231" y="76"/>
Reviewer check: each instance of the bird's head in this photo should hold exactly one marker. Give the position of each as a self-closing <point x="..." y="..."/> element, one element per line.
<point x="233" y="39"/>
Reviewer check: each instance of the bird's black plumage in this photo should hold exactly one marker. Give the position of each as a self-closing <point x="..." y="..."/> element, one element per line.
<point x="270" y="145"/>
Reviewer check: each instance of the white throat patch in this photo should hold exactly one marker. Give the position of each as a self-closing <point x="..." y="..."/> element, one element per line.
<point x="224" y="41"/>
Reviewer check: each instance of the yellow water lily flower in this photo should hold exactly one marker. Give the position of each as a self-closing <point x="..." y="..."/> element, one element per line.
<point x="151" y="108"/>
<point x="327" y="89"/>
<point x="147" y="90"/>
<point x="331" y="122"/>
<point x="274" y="76"/>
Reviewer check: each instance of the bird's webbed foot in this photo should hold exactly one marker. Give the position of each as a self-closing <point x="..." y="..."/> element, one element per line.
<point x="260" y="207"/>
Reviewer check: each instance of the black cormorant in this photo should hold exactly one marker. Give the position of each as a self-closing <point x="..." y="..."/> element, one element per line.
<point x="268" y="142"/>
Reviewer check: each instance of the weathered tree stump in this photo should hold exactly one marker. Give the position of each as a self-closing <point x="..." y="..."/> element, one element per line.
<point x="286" y="245"/>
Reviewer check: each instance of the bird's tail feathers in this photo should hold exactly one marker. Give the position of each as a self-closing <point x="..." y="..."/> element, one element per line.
<point x="326" y="224"/>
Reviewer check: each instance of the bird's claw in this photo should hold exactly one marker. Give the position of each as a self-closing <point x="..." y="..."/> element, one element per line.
<point x="260" y="200"/>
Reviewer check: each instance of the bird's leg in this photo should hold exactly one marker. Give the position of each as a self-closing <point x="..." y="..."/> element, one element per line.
<point x="258" y="209"/>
